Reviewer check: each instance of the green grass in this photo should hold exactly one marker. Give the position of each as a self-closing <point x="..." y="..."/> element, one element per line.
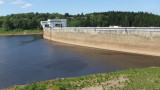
<point x="20" y="32"/>
<point x="137" y="79"/>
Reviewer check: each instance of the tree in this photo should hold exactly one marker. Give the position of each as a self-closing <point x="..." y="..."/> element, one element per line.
<point x="8" y="25"/>
<point x="102" y="19"/>
<point x="66" y="15"/>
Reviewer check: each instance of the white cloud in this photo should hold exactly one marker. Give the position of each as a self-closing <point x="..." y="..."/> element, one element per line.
<point x="23" y="3"/>
<point x="18" y="2"/>
<point x="26" y="5"/>
<point x="1" y="2"/>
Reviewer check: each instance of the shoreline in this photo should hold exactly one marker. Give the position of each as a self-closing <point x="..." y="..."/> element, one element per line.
<point x="126" y="79"/>
<point x="17" y="33"/>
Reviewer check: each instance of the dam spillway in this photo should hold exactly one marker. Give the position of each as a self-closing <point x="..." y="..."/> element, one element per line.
<point x="141" y="40"/>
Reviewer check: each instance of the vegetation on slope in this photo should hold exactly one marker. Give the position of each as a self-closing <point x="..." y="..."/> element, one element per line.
<point x="136" y="79"/>
<point x="28" y="21"/>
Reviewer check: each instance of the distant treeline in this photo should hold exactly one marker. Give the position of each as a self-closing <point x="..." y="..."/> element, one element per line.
<point x="29" y="21"/>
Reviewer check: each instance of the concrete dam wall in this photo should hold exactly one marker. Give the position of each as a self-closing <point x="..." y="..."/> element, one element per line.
<point x="140" y="40"/>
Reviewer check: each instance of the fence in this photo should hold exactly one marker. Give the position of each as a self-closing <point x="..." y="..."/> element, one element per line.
<point x="106" y="28"/>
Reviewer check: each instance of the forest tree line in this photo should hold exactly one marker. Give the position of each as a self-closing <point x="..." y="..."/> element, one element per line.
<point x="28" y="21"/>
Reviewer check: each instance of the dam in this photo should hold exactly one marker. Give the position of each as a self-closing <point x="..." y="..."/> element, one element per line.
<point x="140" y="40"/>
<point x="30" y="58"/>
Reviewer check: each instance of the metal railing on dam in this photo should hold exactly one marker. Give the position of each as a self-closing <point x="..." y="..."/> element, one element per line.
<point x="107" y="28"/>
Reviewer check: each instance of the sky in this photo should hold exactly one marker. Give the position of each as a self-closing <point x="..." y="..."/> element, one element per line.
<point x="8" y="7"/>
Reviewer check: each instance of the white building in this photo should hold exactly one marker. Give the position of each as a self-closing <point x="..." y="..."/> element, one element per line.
<point x="52" y="23"/>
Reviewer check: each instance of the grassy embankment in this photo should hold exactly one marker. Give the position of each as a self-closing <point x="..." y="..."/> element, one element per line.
<point x="20" y="32"/>
<point x="136" y="79"/>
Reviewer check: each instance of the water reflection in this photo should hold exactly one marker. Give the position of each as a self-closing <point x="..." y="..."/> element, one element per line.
<point x="113" y="59"/>
<point x="35" y="38"/>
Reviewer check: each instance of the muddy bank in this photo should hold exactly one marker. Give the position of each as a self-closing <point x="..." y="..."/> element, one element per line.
<point x="25" y="32"/>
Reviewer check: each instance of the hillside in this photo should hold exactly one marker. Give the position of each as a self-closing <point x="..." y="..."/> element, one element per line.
<point x="27" y="21"/>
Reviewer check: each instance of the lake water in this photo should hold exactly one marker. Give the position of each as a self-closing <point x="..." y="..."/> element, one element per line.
<point x="25" y="59"/>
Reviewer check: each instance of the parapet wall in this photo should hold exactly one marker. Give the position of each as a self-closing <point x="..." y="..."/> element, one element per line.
<point x="133" y="40"/>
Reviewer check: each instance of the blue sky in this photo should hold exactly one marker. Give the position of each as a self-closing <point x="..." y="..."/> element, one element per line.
<point x="77" y="6"/>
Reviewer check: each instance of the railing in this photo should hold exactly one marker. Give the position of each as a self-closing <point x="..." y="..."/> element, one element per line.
<point x="106" y="28"/>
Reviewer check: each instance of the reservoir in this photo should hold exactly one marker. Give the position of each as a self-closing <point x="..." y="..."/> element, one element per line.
<point x="26" y="59"/>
